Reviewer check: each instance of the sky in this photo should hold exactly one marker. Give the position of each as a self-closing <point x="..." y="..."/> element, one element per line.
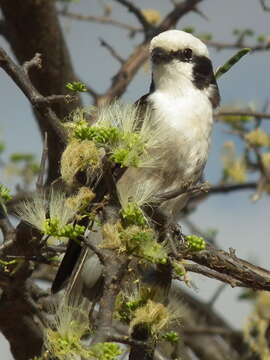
<point x="241" y="224"/>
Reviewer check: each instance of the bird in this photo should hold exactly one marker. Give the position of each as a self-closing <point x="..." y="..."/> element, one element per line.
<point x="182" y="97"/>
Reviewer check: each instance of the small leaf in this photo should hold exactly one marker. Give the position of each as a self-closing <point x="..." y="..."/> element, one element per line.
<point x="20" y="157"/>
<point x="4" y="194"/>
<point x="232" y="61"/>
<point x="76" y="86"/>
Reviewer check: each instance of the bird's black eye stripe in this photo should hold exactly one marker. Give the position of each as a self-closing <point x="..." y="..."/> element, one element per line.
<point x="160" y="55"/>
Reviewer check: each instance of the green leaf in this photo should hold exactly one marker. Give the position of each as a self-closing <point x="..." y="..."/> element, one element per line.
<point x="2" y="147"/>
<point x="4" y="194"/>
<point x="232" y="61"/>
<point x="76" y="86"/>
<point x="189" y="29"/>
<point x="20" y="157"/>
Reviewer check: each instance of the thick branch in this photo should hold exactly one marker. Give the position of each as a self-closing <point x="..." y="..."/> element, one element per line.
<point x="3" y="29"/>
<point x="39" y="102"/>
<point x="33" y="26"/>
<point x="203" y="270"/>
<point x="225" y="263"/>
<point x="177" y="13"/>
<point x="17" y="318"/>
<point x="114" y="270"/>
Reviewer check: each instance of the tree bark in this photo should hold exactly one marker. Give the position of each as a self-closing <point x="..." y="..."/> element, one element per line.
<point x="33" y="26"/>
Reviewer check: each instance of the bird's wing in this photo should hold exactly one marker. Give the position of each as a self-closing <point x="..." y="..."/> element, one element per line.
<point x="66" y="267"/>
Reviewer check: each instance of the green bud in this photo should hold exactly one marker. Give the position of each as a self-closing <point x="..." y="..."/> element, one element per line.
<point x="195" y="243"/>
<point x="133" y="215"/>
<point x="171" y="336"/>
<point x="105" y="351"/>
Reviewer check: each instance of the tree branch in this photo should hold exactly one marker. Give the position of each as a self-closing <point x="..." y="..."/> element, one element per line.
<point x="138" y="13"/>
<point x="19" y="75"/>
<point x="255" y="114"/>
<point x="36" y="24"/>
<point x="100" y="19"/>
<point x="222" y="46"/>
<point x="227" y="263"/>
<point x="7" y="228"/>
<point x="203" y="270"/>
<point x="225" y="188"/>
<point x="111" y="50"/>
<point x="114" y="270"/>
<point x="3" y="29"/>
<point x="140" y="54"/>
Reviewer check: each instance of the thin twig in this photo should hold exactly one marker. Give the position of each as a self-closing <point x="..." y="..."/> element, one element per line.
<point x="225" y="188"/>
<point x="222" y="46"/>
<point x="111" y="50"/>
<point x="94" y="248"/>
<point x="208" y="330"/>
<point x="216" y="294"/>
<point x="255" y="114"/>
<point x="129" y="69"/>
<point x="138" y="13"/>
<point x="42" y="169"/>
<point x="202" y="15"/>
<point x="101" y="20"/>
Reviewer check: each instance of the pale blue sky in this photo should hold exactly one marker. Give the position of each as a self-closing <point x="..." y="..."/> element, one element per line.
<point x="242" y="224"/>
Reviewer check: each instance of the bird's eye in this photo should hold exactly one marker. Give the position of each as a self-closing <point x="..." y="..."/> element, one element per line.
<point x="187" y="54"/>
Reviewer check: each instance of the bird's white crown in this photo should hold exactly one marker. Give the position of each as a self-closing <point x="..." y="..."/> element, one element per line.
<point x="173" y="40"/>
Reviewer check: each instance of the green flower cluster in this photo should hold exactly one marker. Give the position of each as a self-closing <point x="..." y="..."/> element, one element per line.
<point x="124" y="148"/>
<point x="98" y="134"/>
<point x="127" y="309"/>
<point x="195" y="243"/>
<point x="63" y="347"/>
<point x="127" y="304"/>
<point x="143" y="243"/>
<point x="132" y="214"/>
<point x="130" y="150"/>
<point x="179" y="268"/>
<point x="171" y="336"/>
<point x="105" y="351"/>
<point x="52" y="228"/>
<point x="4" y="194"/>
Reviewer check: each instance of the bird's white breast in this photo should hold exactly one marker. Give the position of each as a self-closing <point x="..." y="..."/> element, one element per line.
<point x="188" y="120"/>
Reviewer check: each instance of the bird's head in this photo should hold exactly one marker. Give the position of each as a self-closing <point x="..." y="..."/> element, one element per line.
<point x="180" y="59"/>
